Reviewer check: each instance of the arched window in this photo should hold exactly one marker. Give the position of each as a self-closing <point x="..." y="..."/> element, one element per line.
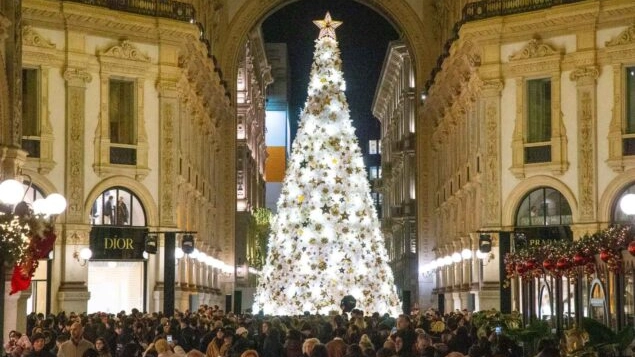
<point x="543" y="207"/>
<point x="117" y="206"/>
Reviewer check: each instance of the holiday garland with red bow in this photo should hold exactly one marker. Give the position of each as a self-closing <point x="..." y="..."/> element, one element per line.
<point x="23" y="241"/>
<point x="568" y="258"/>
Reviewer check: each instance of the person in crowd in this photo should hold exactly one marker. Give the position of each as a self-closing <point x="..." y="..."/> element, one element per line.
<point x="293" y="343"/>
<point x="77" y="345"/>
<point x="163" y="348"/>
<point x="250" y="353"/>
<point x="214" y="347"/>
<point x="455" y="354"/>
<point x="228" y="342"/>
<point x="188" y="336"/>
<point x="401" y="348"/>
<point x="242" y="342"/>
<point x="423" y="346"/>
<point x="408" y="336"/>
<point x="353" y="350"/>
<point x="49" y="334"/>
<point x="337" y="347"/>
<point x="307" y="346"/>
<point x="384" y="352"/>
<point x="11" y="347"/>
<point x="38" y="342"/>
<point x="210" y="335"/>
<point x="272" y="346"/>
<point x="103" y="350"/>
<point x="460" y="341"/>
<point x="91" y="352"/>
<point x="366" y="343"/>
<point x="319" y="350"/>
<point x="58" y="342"/>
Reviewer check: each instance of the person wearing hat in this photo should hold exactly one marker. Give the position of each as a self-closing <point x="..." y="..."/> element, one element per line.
<point x="214" y="347"/>
<point x="38" y="341"/>
<point x="241" y="343"/>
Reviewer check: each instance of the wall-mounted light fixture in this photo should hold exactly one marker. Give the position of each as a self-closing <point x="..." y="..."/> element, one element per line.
<point x="83" y="256"/>
<point x="485" y="243"/>
<point x="151" y="244"/>
<point x="187" y="243"/>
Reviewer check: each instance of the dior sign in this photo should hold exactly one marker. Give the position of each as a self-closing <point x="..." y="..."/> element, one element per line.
<point x="117" y="243"/>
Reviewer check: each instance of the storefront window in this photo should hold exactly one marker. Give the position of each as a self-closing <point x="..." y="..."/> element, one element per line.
<point x="117" y="207"/>
<point x="545" y="310"/>
<point x="543" y="206"/>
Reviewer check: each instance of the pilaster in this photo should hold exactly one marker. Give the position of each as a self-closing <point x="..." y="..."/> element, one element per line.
<point x="168" y="113"/>
<point x="76" y="80"/>
<point x="73" y="294"/>
<point x="585" y="78"/>
<point x="489" y="104"/>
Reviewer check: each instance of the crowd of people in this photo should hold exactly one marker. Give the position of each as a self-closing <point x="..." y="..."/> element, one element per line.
<point x="213" y="333"/>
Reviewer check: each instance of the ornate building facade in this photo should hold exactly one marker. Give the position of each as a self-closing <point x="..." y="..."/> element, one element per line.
<point x="119" y="104"/>
<point x="527" y="138"/>
<point x="513" y="126"/>
<point x="394" y="105"/>
<point x="254" y="75"/>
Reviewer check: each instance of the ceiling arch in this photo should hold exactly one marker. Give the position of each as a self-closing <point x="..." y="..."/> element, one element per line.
<point x="399" y="13"/>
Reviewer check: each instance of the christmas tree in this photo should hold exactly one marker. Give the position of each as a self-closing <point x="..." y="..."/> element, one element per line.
<point x="326" y="243"/>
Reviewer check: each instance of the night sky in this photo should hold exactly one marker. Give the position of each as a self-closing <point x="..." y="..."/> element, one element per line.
<point x="363" y="39"/>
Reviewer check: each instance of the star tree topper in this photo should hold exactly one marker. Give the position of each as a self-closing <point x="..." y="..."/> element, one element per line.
<point x="327" y="26"/>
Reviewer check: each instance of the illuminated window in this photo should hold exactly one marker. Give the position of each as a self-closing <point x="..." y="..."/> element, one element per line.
<point x="30" y="111"/>
<point x="538" y="148"/>
<point x="117" y="207"/>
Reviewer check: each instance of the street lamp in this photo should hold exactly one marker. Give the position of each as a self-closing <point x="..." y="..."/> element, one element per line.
<point x="27" y="235"/>
<point x="627" y="204"/>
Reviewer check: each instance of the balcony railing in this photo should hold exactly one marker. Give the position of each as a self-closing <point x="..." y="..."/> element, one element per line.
<point x="489" y="8"/>
<point x="169" y="9"/>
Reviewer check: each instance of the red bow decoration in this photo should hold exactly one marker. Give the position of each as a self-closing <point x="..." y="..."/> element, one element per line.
<point x="39" y="248"/>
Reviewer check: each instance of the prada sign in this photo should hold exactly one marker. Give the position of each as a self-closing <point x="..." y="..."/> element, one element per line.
<point x="117" y="243"/>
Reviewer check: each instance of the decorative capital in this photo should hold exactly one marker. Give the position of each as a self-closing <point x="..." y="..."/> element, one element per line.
<point x="492" y="85"/>
<point x="77" y="76"/>
<point x="166" y="87"/>
<point x="582" y="73"/>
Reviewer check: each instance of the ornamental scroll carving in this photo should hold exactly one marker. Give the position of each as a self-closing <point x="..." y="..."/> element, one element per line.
<point x="30" y="37"/>
<point x="626" y="37"/>
<point x="126" y="51"/>
<point x="534" y="49"/>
